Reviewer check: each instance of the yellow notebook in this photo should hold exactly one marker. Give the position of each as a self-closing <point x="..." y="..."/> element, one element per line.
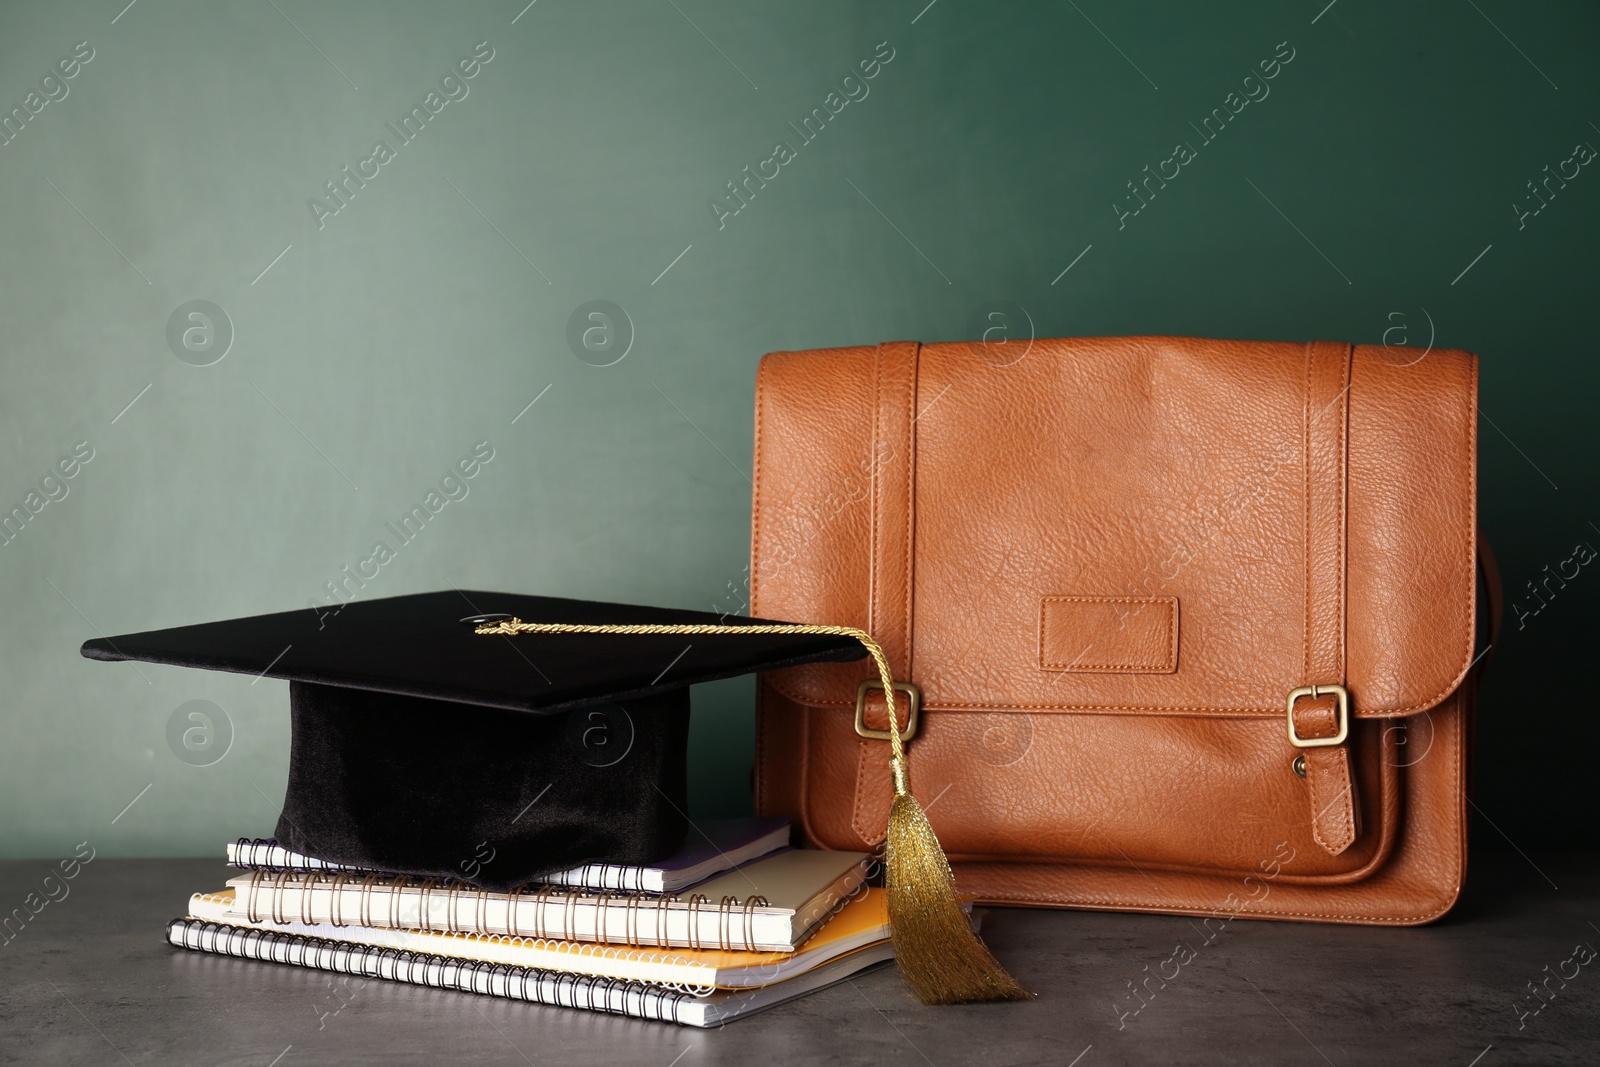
<point x="862" y="922"/>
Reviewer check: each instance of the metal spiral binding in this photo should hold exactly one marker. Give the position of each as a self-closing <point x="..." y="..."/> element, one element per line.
<point x="617" y="917"/>
<point x="635" y="904"/>
<point x="696" y="900"/>
<point x="513" y="904"/>
<point x="751" y="903"/>
<point x="277" y="898"/>
<point x="367" y="885"/>
<point x="424" y="913"/>
<point x="454" y="899"/>
<point x="247" y="859"/>
<point x="663" y="910"/>
<point x="250" y="897"/>
<point x="725" y="921"/>
<point x="394" y="901"/>
<point x="306" y="892"/>
<point x="336" y="900"/>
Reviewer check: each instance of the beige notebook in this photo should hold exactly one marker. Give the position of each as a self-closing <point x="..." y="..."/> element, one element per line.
<point x="861" y="923"/>
<point x="771" y="905"/>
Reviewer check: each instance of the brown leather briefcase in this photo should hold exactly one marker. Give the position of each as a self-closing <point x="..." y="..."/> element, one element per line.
<point x="1186" y="625"/>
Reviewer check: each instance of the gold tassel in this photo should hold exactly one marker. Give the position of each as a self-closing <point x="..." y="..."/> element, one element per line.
<point x="941" y="958"/>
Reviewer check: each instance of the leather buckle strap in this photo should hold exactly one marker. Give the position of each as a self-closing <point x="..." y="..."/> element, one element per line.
<point x="913" y="710"/>
<point x="891" y="581"/>
<point x="1330" y="777"/>
<point x="1342" y="715"/>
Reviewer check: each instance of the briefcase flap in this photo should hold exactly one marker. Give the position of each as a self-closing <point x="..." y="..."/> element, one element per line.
<point x="1144" y="525"/>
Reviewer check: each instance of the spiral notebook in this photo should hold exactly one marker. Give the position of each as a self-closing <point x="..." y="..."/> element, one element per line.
<point x="619" y="996"/>
<point x="713" y="846"/>
<point x="771" y="905"/>
<point x="861" y="923"/>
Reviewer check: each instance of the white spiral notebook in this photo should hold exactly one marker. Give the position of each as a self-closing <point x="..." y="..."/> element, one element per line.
<point x="618" y="996"/>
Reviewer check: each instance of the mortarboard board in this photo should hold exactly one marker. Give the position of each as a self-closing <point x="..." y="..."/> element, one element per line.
<point x="420" y="746"/>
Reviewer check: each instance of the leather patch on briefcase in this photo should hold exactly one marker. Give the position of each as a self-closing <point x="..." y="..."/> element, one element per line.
<point x="1109" y="635"/>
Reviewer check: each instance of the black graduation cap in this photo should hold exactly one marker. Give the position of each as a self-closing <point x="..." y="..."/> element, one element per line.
<point x="419" y="743"/>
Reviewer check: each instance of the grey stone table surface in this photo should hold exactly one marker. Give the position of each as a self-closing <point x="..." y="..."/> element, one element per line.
<point x="90" y="979"/>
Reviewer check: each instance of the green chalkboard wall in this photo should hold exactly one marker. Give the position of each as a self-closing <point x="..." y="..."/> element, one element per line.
<point x="254" y="337"/>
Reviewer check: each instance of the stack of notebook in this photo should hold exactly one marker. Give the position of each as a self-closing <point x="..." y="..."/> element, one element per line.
<point x="733" y="923"/>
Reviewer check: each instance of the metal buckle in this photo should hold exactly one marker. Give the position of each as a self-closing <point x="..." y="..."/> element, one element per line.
<point x="913" y="709"/>
<point x="1342" y="713"/>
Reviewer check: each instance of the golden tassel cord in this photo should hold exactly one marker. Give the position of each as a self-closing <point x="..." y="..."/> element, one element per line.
<point x="941" y="958"/>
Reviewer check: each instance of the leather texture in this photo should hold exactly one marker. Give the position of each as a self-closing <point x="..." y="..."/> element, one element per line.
<point x="1106" y="565"/>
